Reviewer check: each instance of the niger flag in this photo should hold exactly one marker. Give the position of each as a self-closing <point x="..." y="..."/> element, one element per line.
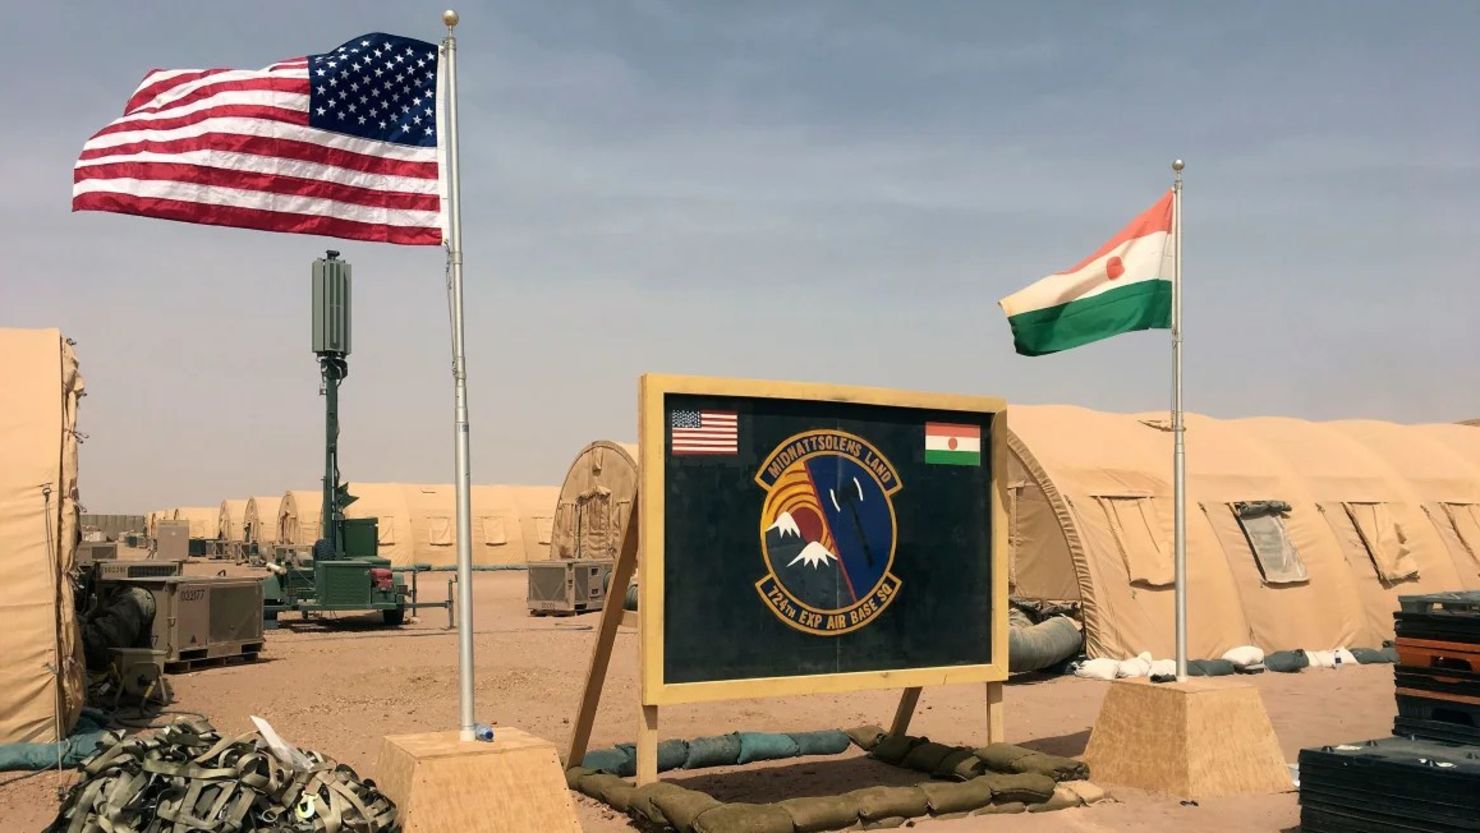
<point x="1124" y="286"/>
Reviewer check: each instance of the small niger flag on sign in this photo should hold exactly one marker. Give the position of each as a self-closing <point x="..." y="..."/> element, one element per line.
<point x="952" y="444"/>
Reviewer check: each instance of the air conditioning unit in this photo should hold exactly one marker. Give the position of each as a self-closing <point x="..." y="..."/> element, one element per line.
<point x="568" y="585"/>
<point x="198" y="619"/>
<point x="125" y="570"/>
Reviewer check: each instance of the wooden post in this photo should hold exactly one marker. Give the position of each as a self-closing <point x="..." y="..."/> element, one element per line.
<point x="606" y="637"/>
<point x="902" y="715"/>
<point x="995" y="732"/>
<point x="647" y="746"/>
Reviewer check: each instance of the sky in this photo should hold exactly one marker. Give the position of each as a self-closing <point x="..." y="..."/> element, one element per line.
<point x="818" y="191"/>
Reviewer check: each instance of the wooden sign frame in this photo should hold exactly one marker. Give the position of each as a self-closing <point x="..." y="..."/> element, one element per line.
<point x="648" y="532"/>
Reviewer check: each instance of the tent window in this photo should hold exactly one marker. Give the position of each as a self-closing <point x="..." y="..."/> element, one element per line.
<point x="386" y="531"/>
<point x="1138" y="534"/>
<point x="1383" y="539"/>
<point x="1263" y="523"/>
<point x="439" y="531"/>
<point x="493" y="531"/>
<point x="543" y="527"/>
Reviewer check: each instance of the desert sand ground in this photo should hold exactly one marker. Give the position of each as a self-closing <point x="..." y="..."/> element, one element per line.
<point x="339" y="686"/>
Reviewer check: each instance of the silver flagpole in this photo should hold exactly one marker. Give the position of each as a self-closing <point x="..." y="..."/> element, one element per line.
<point x="459" y="392"/>
<point x="1179" y="462"/>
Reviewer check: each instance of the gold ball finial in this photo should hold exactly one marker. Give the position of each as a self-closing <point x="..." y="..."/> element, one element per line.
<point x="450" y="18"/>
<point x="1178" y="165"/>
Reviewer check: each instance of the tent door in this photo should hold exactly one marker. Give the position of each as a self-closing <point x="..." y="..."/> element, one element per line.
<point x="594" y="534"/>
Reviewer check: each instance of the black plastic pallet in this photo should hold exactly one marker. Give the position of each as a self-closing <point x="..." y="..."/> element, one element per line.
<point x="1458" y="603"/>
<point x="1442" y="683"/>
<point x="1392" y="785"/>
<point x="1413" y="727"/>
<point x="1441" y="711"/>
<point x="1326" y="819"/>
<point x="1465" y="630"/>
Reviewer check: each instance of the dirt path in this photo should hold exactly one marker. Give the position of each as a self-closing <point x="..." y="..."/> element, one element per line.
<point x="338" y="688"/>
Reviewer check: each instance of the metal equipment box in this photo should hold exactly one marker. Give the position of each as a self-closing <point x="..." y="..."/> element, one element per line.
<point x="331" y="305"/>
<point x="172" y="540"/>
<point x="568" y="585"/>
<point x="199" y="618"/>
<point x="125" y="570"/>
<point x="89" y="552"/>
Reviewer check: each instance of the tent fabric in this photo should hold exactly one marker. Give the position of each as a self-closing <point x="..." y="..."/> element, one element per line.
<point x="231" y="519"/>
<point x="595" y="501"/>
<point x="1376" y="510"/>
<point x="205" y="521"/>
<point x="39" y="391"/>
<point x="417" y="522"/>
<point x="299" y="512"/>
<point x="260" y="519"/>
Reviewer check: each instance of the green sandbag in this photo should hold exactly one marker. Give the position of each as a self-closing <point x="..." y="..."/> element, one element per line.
<point x="640" y="804"/>
<point x="948" y="797"/>
<point x="672" y="754"/>
<point x="574" y="775"/>
<point x="995" y="809"/>
<point x="875" y="803"/>
<point x="1027" y="787"/>
<point x="998" y="757"/>
<point x="1211" y="668"/>
<point x="766" y="746"/>
<point x="744" y="818"/>
<point x="926" y="757"/>
<point x="1370" y="656"/>
<point x="1286" y="662"/>
<point x="595" y="785"/>
<point x="885" y="824"/>
<point x="716" y="750"/>
<point x="823" y="742"/>
<point x="682" y="806"/>
<point x="814" y="814"/>
<point x="866" y="737"/>
<point x="892" y="748"/>
<point x="1056" y="767"/>
<point x="617" y="760"/>
<point x="960" y="765"/>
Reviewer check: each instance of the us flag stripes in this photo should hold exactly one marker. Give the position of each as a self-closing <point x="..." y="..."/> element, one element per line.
<point x="343" y="144"/>
<point x="705" y="432"/>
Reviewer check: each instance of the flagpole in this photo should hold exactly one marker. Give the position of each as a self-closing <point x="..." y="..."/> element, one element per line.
<point x="1179" y="462"/>
<point x="459" y="393"/>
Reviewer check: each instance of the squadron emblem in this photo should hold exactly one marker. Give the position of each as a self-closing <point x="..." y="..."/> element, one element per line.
<point x="827" y="532"/>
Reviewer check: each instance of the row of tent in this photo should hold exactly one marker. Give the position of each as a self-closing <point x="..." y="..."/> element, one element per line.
<point x="510" y="524"/>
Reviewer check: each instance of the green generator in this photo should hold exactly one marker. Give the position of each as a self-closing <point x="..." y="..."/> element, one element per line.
<point x="356" y="580"/>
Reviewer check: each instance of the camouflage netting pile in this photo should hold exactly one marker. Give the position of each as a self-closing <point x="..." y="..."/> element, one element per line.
<point x="999" y="778"/>
<point x="187" y="778"/>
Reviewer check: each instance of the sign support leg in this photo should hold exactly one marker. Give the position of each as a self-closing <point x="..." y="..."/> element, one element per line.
<point x="995" y="733"/>
<point x="647" y="746"/>
<point x="906" y="710"/>
<point x="606" y="637"/>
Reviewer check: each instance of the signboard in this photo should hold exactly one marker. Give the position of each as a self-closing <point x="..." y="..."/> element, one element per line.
<point x="817" y="538"/>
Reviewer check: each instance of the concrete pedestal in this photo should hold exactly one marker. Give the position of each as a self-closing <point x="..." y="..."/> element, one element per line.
<point x="1201" y="738"/>
<point x="439" y="783"/>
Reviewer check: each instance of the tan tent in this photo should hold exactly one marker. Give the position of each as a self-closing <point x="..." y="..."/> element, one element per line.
<point x="595" y="501"/>
<point x="231" y="520"/>
<point x="298" y="514"/>
<point x="39" y="390"/>
<point x="417" y="523"/>
<point x="1299" y="534"/>
<point x="205" y="521"/>
<point x="260" y="519"/>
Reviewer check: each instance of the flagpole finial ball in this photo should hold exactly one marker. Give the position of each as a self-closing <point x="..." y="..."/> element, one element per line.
<point x="450" y="18"/>
<point x="1178" y="165"/>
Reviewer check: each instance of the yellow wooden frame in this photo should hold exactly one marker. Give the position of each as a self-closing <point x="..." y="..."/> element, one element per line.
<point x="652" y="426"/>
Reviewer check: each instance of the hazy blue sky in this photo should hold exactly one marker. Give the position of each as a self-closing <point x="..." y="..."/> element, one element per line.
<point x="834" y="191"/>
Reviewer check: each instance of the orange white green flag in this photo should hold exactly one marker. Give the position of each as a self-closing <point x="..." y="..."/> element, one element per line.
<point x="1125" y="286"/>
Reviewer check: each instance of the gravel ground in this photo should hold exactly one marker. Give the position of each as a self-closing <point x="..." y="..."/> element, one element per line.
<point x="339" y="686"/>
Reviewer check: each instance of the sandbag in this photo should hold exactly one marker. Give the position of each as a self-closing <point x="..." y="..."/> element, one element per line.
<point x="875" y="803"/>
<point x="823" y="742"/>
<point x="1134" y="667"/>
<point x="892" y="748"/>
<point x="1369" y="656"/>
<point x="814" y="814"/>
<point x="672" y="754"/>
<point x="619" y="794"/>
<point x="925" y="757"/>
<point x="1245" y="656"/>
<point x="618" y="760"/>
<point x="1056" y="767"/>
<point x="716" y="750"/>
<point x="1027" y="787"/>
<point x="1103" y="668"/>
<point x="640" y="804"/>
<point x="953" y="766"/>
<point x="574" y="775"/>
<point x="593" y="785"/>
<point x="945" y="797"/>
<point x="739" y="817"/>
<point x="866" y="737"/>
<point x="1044" y="645"/>
<point x="884" y="824"/>
<point x="1210" y="668"/>
<point x="766" y="746"/>
<point x="681" y="807"/>
<point x="998" y="757"/>
<point x="1003" y="808"/>
<point x="1062" y="799"/>
<point x="1286" y="662"/>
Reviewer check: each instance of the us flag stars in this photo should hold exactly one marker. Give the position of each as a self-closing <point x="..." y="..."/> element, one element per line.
<point x="381" y="87"/>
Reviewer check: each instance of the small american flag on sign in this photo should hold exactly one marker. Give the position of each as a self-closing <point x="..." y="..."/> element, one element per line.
<point x="705" y="432"/>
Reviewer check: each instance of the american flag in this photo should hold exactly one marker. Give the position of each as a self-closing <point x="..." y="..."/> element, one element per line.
<point x="705" y="432"/>
<point x="343" y="143"/>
